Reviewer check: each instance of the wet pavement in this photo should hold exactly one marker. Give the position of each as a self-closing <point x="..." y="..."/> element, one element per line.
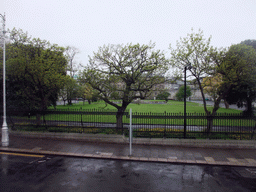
<point x="51" y="173"/>
<point x="143" y="153"/>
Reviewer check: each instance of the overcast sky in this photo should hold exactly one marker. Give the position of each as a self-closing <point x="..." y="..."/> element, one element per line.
<point x="88" y="24"/>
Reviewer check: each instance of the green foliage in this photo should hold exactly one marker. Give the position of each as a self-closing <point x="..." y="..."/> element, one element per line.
<point x="239" y="71"/>
<point x="181" y="93"/>
<point x="194" y="51"/>
<point x="195" y="54"/>
<point x="128" y="72"/>
<point x="212" y="85"/>
<point x="163" y="96"/>
<point x="86" y="92"/>
<point x="35" y="71"/>
<point x="250" y="42"/>
<point x="125" y="72"/>
<point x="70" y="90"/>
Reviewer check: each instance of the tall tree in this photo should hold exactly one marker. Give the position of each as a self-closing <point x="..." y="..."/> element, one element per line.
<point x="130" y="71"/>
<point x="35" y="71"/>
<point x="240" y="74"/>
<point x="195" y="54"/>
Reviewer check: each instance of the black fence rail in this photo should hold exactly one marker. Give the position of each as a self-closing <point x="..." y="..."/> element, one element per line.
<point x="153" y="125"/>
<point x="77" y="121"/>
<point x="170" y="125"/>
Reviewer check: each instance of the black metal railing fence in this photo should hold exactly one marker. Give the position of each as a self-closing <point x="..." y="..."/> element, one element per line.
<point x="153" y="125"/>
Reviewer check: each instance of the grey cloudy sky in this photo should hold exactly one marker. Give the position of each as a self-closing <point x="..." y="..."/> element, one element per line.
<point x="88" y="24"/>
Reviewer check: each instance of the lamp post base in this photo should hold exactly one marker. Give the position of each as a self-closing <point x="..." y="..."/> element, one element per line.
<point x="5" y="135"/>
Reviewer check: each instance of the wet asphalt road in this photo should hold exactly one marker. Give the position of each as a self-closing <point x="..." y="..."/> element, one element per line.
<point x="22" y="173"/>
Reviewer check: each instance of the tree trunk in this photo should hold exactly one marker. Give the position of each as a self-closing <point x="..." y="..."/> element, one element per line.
<point x="248" y="111"/>
<point x="38" y="114"/>
<point x="203" y="96"/>
<point x="119" y="119"/>
<point x="226" y="104"/>
<point x="38" y="119"/>
<point x="209" y="125"/>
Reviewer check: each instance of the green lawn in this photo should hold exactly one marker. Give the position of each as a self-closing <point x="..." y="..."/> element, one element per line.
<point x="170" y="107"/>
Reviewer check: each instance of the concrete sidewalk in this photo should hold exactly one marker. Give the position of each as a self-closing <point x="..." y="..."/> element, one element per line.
<point x="140" y="152"/>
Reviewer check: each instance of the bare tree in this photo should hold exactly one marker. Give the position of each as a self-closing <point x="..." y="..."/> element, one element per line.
<point x="72" y="66"/>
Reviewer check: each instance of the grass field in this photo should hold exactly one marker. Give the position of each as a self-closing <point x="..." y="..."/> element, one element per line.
<point x="170" y="107"/>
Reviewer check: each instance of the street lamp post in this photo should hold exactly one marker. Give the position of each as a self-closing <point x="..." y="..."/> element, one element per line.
<point x="185" y="99"/>
<point x="185" y="104"/>
<point x="5" y="135"/>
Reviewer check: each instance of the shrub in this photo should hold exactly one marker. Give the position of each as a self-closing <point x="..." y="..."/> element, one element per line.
<point x="163" y="96"/>
<point x="180" y="94"/>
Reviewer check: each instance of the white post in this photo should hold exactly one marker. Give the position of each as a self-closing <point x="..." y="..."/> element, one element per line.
<point x="5" y="135"/>
<point x="130" y="131"/>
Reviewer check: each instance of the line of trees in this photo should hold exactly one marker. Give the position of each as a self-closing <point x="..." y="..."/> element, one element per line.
<point x="38" y="73"/>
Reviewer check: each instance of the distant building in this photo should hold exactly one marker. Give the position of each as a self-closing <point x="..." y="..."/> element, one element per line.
<point x="173" y="88"/>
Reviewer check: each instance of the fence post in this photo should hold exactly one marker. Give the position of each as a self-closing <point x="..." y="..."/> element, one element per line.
<point x="130" y="131"/>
